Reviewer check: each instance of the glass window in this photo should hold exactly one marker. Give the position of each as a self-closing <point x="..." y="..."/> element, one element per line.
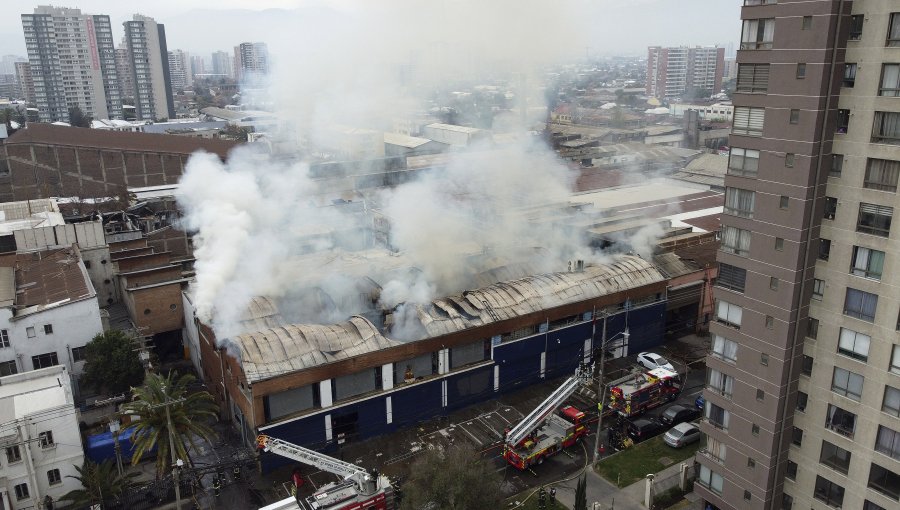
<point x="45" y="439"/>
<point x="8" y="368"/>
<point x="835" y="457"/>
<point x="731" y="277"/>
<point x="779" y="244"/>
<point x="888" y="442"/>
<point x="849" y="75"/>
<point x="894" y="366"/>
<point x="78" y="354"/>
<point x="818" y="289"/>
<point x="717" y="416"/>
<point x="752" y="78"/>
<point x="837" y="164"/>
<point x="841" y="421"/>
<point x="22" y="491"/>
<point x="729" y="313"/>
<point x="824" y="249"/>
<point x="710" y="479"/>
<point x="812" y="328"/>
<point x="806" y="368"/>
<point x="789" y="159"/>
<point x="884" y="481"/>
<point x="735" y="240"/>
<point x="893" y="37"/>
<point x="724" y="348"/>
<point x="757" y="34"/>
<point x="723" y="384"/>
<point x="773" y="283"/>
<point x="749" y="121"/>
<point x="882" y="174"/>
<point x="856" y="26"/>
<point x="801" y="70"/>
<point x="802" y="401"/>
<point x="807" y="23"/>
<point x="874" y="219"/>
<point x="890" y="80"/>
<point x="861" y="305"/>
<point x="743" y="161"/>
<point x="867" y="263"/>
<point x="797" y="436"/>
<point x="830" y="208"/>
<point x="795" y="116"/>
<point x="843" y="121"/>
<point x="853" y="344"/>
<point x="829" y="492"/>
<point x="740" y="202"/>
<point x="886" y="128"/>
<point x="847" y="383"/>
<point x="4" y="338"/>
<point x="868" y="505"/>
<point x="791" y="470"/>
<point x="13" y="454"/>
<point x="53" y="477"/>
<point x="891" y="402"/>
<point x="44" y="360"/>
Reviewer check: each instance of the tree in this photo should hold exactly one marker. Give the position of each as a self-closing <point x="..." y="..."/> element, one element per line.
<point x="581" y="494"/>
<point x="100" y="482"/>
<point x="113" y="365"/>
<point x="77" y="118"/>
<point x="451" y="479"/>
<point x="164" y="406"/>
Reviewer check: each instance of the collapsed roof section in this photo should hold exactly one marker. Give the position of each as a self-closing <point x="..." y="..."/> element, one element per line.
<point x="507" y="300"/>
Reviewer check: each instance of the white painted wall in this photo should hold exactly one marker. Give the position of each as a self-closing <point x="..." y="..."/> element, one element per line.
<point x="190" y="334"/>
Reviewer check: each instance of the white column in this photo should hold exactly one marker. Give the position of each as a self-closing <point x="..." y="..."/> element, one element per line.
<point x="543" y="364"/>
<point x="328" y="433"/>
<point x="443" y="361"/>
<point x="389" y="410"/>
<point x="587" y="350"/>
<point x="444" y="393"/>
<point x="496" y="377"/>
<point x="387" y="376"/>
<point x="325" y="393"/>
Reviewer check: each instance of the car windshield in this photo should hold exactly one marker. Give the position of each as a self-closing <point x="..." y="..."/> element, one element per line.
<point x="675" y="433"/>
<point x="661" y="361"/>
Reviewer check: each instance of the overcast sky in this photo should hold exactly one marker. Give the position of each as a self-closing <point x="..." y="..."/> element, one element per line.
<point x="598" y="26"/>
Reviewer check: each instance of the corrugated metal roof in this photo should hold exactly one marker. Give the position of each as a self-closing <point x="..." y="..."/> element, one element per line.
<point x="292" y="347"/>
<point x="507" y="300"/>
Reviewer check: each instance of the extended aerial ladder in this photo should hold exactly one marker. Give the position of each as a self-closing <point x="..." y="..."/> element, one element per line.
<point x="542" y="433"/>
<point x="357" y="489"/>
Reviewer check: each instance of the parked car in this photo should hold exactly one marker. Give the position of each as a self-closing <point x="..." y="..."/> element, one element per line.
<point x="675" y="414"/>
<point x="682" y="434"/>
<point x="700" y="403"/>
<point x="651" y="361"/>
<point x="643" y="429"/>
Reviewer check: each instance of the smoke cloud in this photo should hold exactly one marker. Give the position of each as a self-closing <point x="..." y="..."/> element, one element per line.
<point x="267" y="226"/>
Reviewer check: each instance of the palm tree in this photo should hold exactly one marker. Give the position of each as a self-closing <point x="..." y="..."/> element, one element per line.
<point x="164" y="406"/>
<point x="101" y="483"/>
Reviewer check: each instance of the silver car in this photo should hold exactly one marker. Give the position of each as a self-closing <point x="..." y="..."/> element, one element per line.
<point x="682" y="434"/>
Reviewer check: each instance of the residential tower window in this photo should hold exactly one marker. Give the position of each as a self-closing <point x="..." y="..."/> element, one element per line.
<point x="888" y="442"/>
<point x="841" y="421"/>
<point x="893" y="36"/>
<point x="843" y="121"/>
<point x="837" y="164"/>
<point x="752" y="78"/>
<point x="797" y="436"/>
<point x="710" y="479"/>
<point x="740" y="202"/>
<point x="13" y="454"/>
<point x="44" y="360"/>
<point x="849" y="75"/>
<point x="874" y="219"/>
<point x="802" y="401"/>
<point x="812" y="328"/>
<point x="829" y="492"/>
<point x="801" y="71"/>
<point x="53" y="477"/>
<point x="854" y="345"/>
<point x="743" y="161"/>
<point x="723" y="384"/>
<point x="881" y="174"/>
<point x="807" y="366"/>
<point x="890" y="80"/>
<point x="724" y="348"/>
<point x="22" y="491"/>
<point x="867" y="263"/>
<point x="830" y="208"/>
<point x="886" y="128"/>
<point x="884" y="481"/>
<point x="835" y="457"/>
<point x="861" y="305"/>
<point x="735" y="240"/>
<point x="891" y="402"/>
<point x="717" y="416"/>
<point x="824" y="249"/>
<point x="894" y="366"/>
<point x="748" y="121"/>
<point x="729" y="314"/>
<point x="8" y="368"/>
<point x="45" y="439"/>
<point x="4" y="338"/>
<point x="847" y="383"/>
<point x="818" y="289"/>
<point x="731" y="277"/>
<point x="757" y="34"/>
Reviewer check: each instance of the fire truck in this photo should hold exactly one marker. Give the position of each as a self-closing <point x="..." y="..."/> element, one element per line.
<point x="634" y="394"/>
<point x="358" y="489"/>
<point x="545" y="432"/>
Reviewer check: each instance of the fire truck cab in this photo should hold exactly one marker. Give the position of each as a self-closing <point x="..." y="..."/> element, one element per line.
<point x="632" y="395"/>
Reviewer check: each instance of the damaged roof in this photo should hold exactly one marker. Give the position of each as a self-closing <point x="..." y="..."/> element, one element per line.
<point x="280" y="350"/>
<point x="507" y="300"/>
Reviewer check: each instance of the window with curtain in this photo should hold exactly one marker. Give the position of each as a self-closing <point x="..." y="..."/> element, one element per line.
<point x="724" y="348"/>
<point x="824" y="249"/>
<point x="884" y="481"/>
<point x="841" y="421"/>
<point x="893" y="36"/>
<point x="854" y="344"/>
<point x="740" y="202"/>
<point x="710" y="479"/>
<point x="888" y="442"/>
<point x="843" y="121"/>
<point x="891" y="402"/>
<point x="748" y="121"/>
<point x="743" y="161"/>
<point x="830" y="208"/>
<point x="729" y="313"/>
<point x="849" y="75"/>
<point x="715" y="449"/>
<point x="856" y="26"/>
<point x="886" y="128"/>
<point x="847" y="383"/>
<point x="758" y="34"/>
<point x="894" y="366"/>
<point x="882" y="174"/>
<point x="731" y="277"/>
<point x="861" y="305"/>
<point x="717" y="416"/>
<point x="723" y="384"/>
<point x="867" y="263"/>
<point x="735" y="240"/>
<point x="890" y="80"/>
<point x="818" y="289"/>
<point x="752" y="78"/>
<point x="874" y="219"/>
<point x="837" y="165"/>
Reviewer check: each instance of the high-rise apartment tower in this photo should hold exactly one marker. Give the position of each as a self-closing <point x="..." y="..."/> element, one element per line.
<point x="149" y="60"/>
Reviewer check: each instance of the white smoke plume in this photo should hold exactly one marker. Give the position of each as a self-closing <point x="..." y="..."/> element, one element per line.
<point x="255" y="215"/>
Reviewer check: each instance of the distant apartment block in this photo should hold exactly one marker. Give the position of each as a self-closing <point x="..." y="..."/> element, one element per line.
<point x="179" y="70"/>
<point x="25" y="82"/>
<point x="149" y="59"/>
<point x="674" y="72"/>
<point x="251" y="61"/>
<point x="125" y="73"/>
<point x="72" y="63"/>
<point x="222" y="64"/>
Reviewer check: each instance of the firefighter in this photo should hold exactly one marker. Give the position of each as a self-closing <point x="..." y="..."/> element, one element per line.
<point x="552" y="493"/>
<point x="297" y="478"/>
<point x="217" y="486"/>
<point x="236" y="472"/>
<point x="542" y="499"/>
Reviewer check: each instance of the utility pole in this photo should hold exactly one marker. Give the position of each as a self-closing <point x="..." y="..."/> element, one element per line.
<point x="176" y="462"/>
<point x="600" y="373"/>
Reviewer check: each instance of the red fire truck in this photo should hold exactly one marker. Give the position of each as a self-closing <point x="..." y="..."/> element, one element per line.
<point x="634" y="394"/>
<point x="543" y="432"/>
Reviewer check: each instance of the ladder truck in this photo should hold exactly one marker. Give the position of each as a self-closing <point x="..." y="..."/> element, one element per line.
<point x="543" y="432"/>
<point x="358" y="489"/>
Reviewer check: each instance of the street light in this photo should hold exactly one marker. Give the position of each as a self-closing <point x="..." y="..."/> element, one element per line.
<point x="600" y="389"/>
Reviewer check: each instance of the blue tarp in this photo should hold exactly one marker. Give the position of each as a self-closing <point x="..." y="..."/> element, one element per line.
<point x="102" y="446"/>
